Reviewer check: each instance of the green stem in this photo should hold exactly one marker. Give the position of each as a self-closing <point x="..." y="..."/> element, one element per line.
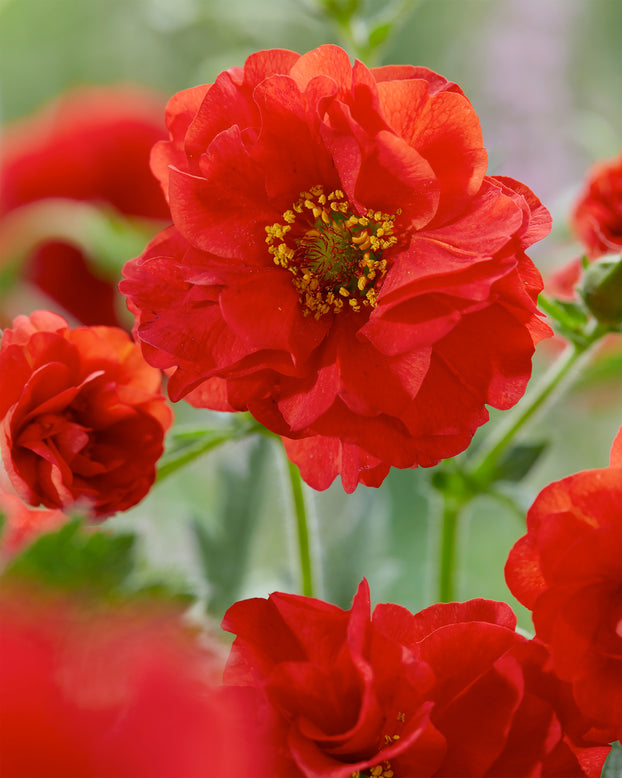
<point x="489" y="454"/>
<point x="200" y="442"/>
<point x="451" y="512"/>
<point x="306" y="572"/>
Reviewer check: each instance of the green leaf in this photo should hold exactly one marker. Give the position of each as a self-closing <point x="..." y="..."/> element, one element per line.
<point x="76" y="559"/>
<point x="518" y="461"/>
<point x="94" y="563"/>
<point x="570" y="315"/>
<point x="379" y="34"/>
<point x="224" y="547"/>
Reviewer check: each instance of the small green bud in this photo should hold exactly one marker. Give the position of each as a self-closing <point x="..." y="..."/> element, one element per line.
<point x="601" y="290"/>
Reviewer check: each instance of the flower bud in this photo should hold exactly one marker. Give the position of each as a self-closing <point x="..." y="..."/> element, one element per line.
<point x="601" y="289"/>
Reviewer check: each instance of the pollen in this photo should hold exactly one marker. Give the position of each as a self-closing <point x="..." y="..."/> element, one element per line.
<point x="335" y="256"/>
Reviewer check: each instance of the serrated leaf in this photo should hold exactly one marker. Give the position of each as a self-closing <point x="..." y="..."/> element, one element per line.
<point x="518" y="461"/>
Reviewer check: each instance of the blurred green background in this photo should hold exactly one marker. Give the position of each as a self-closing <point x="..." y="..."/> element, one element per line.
<point x="545" y="77"/>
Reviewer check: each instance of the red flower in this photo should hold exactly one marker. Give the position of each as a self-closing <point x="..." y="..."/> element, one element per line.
<point x="22" y="524"/>
<point x="567" y="569"/>
<point x="597" y="215"/>
<point x="92" y="144"/>
<point x="339" y="264"/>
<point x="82" y="417"/>
<point x="453" y="690"/>
<point x="124" y="692"/>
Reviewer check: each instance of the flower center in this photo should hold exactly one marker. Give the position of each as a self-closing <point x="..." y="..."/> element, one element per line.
<point x="335" y="257"/>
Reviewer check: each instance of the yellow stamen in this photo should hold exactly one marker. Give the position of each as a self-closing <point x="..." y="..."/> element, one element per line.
<point x="331" y="252"/>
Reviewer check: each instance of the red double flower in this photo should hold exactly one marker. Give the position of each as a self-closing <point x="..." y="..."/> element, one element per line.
<point x="82" y="415"/>
<point x="340" y="265"/>
<point x="567" y="569"/>
<point x="452" y="690"/>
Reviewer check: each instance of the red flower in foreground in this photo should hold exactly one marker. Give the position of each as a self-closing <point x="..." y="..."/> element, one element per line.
<point x="82" y="417"/>
<point x="92" y="144"/>
<point x="597" y="215"/>
<point x="340" y="265"/>
<point x="23" y="524"/>
<point x="567" y="569"/>
<point x="453" y="690"/>
<point x="122" y="692"/>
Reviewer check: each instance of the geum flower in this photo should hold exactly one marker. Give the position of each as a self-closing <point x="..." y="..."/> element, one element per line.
<point x="452" y="690"/>
<point x="567" y="569"/>
<point x="339" y="265"/>
<point x="82" y="415"/>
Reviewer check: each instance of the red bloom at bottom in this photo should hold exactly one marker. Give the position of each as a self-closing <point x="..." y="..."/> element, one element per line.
<point x="452" y="690"/>
<point x="122" y="692"/>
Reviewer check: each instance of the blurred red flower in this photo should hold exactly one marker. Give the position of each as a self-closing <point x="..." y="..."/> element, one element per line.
<point x="567" y="569"/>
<point x="340" y="265"/>
<point x="120" y="691"/>
<point x="452" y="690"/>
<point x="82" y="416"/>
<point x="23" y="524"/>
<point x="91" y="144"/>
<point x="597" y="216"/>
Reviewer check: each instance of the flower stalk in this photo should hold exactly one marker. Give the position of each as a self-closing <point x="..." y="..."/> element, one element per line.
<point x="451" y="511"/>
<point x="302" y="530"/>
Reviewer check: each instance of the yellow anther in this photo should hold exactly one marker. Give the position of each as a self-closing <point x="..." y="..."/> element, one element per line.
<point x="401" y="717"/>
<point x="333" y="254"/>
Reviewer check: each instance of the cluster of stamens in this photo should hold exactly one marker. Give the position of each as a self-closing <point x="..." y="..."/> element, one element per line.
<point x="383" y="769"/>
<point x="334" y="256"/>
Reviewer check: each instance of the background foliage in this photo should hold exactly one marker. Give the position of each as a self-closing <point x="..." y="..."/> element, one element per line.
<point x="545" y="79"/>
